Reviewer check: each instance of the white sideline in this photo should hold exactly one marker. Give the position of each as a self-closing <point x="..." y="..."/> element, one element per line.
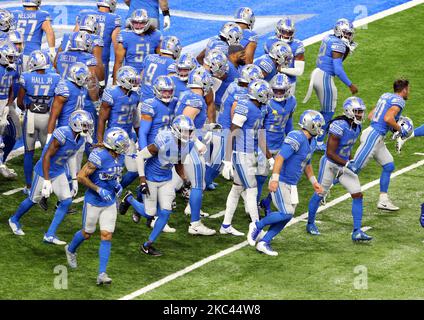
<point x="243" y="244"/>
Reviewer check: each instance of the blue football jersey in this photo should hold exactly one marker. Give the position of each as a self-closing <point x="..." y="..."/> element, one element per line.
<point x="347" y="134"/>
<point x="39" y="88"/>
<point x="329" y="45"/>
<point x="66" y="59"/>
<point x="248" y="37"/>
<point x="216" y="43"/>
<point x="123" y="113"/>
<point x="294" y="166"/>
<point x="97" y="41"/>
<point x="232" y="75"/>
<point x="151" y="6"/>
<point x="386" y="101"/>
<point x="233" y="93"/>
<point x="180" y="86"/>
<point x="161" y="113"/>
<point x="191" y="99"/>
<point x="137" y="47"/>
<point x="68" y="148"/>
<point x="247" y="139"/>
<point x="106" y="176"/>
<point x="30" y="23"/>
<point x="75" y="99"/>
<point x="6" y="81"/>
<point x="154" y="65"/>
<point x="267" y="65"/>
<point x="277" y="115"/>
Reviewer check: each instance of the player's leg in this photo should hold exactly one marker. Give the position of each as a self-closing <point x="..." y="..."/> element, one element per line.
<point x="262" y="174"/>
<point x="107" y="222"/>
<point x="29" y="138"/>
<point x="131" y="165"/>
<point x="246" y="166"/>
<point x="329" y="106"/>
<point x="9" y="140"/>
<point x="217" y="155"/>
<point x="366" y="150"/>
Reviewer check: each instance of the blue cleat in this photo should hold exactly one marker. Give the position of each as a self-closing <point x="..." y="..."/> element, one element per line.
<point x="360" y="235"/>
<point x="211" y="187"/>
<point x="312" y="228"/>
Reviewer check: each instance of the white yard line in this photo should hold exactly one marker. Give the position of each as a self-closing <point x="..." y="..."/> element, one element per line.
<point x="243" y="244"/>
<point x="13" y="191"/>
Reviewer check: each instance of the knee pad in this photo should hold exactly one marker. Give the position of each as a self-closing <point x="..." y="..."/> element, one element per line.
<point x="390" y="167"/>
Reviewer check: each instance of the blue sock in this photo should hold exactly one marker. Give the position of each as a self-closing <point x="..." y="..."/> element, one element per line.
<point x="59" y="215"/>
<point x="419" y="132"/>
<point x="327" y="117"/>
<point x="195" y="203"/>
<point x="385" y="176"/>
<point x="276" y="229"/>
<point x="9" y="139"/>
<point x="104" y="253"/>
<point x="28" y="165"/>
<point x="163" y="217"/>
<point x="266" y="202"/>
<point x="77" y="240"/>
<point x="138" y="206"/>
<point x="357" y="207"/>
<point x="260" y="180"/>
<point x="313" y="208"/>
<point x="272" y="218"/>
<point x="22" y="209"/>
<point x="128" y="178"/>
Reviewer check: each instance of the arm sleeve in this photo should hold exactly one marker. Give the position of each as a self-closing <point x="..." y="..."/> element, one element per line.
<point x="289" y="125"/>
<point x="339" y="71"/>
<point x="143" y="132"/>
<point x="60" y="136"/>
<point x="95" y="159"/>
<point x="297" y="70"/>
<point x="62" y="90"/>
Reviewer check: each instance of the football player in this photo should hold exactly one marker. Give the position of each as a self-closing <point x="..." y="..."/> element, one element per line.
<point x="183" y="66"/>
<point x="293" y="159"/>
<point x="246" y="125"/>
<point x="343" y="133"/>
<point x="152" y="8"/>
<point x="245" y="18"/>
<point x="35" y="98"/>
<point x="418" y="132"/>
<point x="119" y="109"/>
<point x="134" y="45"/>
<point x="155" y="163"/>
<point x="101" y="176"/>
<point x="384" y="117"/>
<point x="50" y="176"/>
<point x="279" y="57"/>
<point x="33" y="23"/>
<point x="285" y="31"/>
<point x="333" y="51"/>
<point x="7" y="23"/>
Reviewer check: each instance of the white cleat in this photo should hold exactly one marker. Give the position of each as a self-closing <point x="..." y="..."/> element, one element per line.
<point x="387" y="205"/>
<point x="103" y="278"/>
<point x="166" y="229"/>
<point x="7" y="172"/>
<point x="252" y="234"/>
<point x="187" y="212"/>
<point x="71" y="257"/>
<point x="53" y="240"/>
<point x="264" y="247"/>
<point x="198" y="228"/>
<point x="230" y="230"/>
<point x="16" y="228"/>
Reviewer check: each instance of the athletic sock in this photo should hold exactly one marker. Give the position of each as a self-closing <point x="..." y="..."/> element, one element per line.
<point x="128" y="178"/>
<point x="28" y="165"/>
<point x="162" y="220"/>
<point x="138" y="206"/>
<point x="195" y="204"/>
<point x="104" y="254"/>
<point x="59" y="215"/>
<point x="313" y="208"/>
<point x="77" y="240"/>
<point x="232" y="202"/>
<point x="357" y="208"/>
<point x="22" y="209"/>
<point x="276" y="228"/>
<point x="260" y="180"/>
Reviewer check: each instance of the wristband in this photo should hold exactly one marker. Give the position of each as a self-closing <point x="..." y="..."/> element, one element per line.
<point x="275" y="177"/>
<point x="165" y="13"/>
<point x="102" y="83"/>
<point x="313" y="180"/>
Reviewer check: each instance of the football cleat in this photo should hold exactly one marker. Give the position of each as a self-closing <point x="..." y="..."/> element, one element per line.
<point x="149" y="249"/>
<point x="198" y="228"/>
<point x="166" y="229"/>
<point x="7" y="172"/>
<point x="230" y="230"/>
<point x="71" y="258"/>
<point x="266" y="248"/>
<point x="44" y="204"/>
<point x="53" y="240"/>
<point x="253" y="233"/>
<point x="16" y="228"/>
<point x="387" y="205"/>
<point x="360" y="235"/>
<point x="103" y="278"/>
<point x="124" y="205"/>
<point x="187" y="212"/>
<point x="26" y="191"/>
<point x="312" y="228"/>
<point x="211" y="187"/>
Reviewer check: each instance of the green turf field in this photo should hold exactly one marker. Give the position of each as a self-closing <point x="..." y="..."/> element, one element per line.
<point x="307" y="268"/>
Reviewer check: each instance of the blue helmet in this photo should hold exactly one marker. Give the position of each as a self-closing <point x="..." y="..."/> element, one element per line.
<point x="217" y="63"/>
<point x="344" y="30"/>
<point x="79" y="74"/>
<point x="111" y="4"/>
<point x="185" y="63"/>
<point x="89" y="23"/>
<point x="31" y="3"/>
<point x="128" y="78"/>
<point x="117" y="139"/>
<point x="285" y="29"/>
<point x="282" y="53"/>
<point x="8" y="54"/>
<point x="199" y="78"/>
<point x="354" y="108"/>
<point x="140" y="21"/>
<point x="171" y="45"/>
<point x="164" y="88"/>
<point x="407" y="124"/>
<point x="232" y="33"/>
<point x="17" y="38"/>
<point x="7" y="22"/>
<point x="81" y="41"/>
<point x="81" y="122"/>
<point x="250" y="72"/>
<point x="312" y="121"/>
<point x="38" y="60"/>
<point x="259" y="90"/>
<point x="245" y="15"/>
<point x="183" y="128"/>
<point x="281" y="87"/>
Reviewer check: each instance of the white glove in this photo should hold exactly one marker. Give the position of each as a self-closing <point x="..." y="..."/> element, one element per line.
<point x="271" y="162"/>
<point x="166" y="22"/>
<point x="207" y="138"/>
<point x="47" y="189"/>
<point x="52" y="54"/>
<point x="201" y="148"/>
<point x="399" y="144"/>
<point x="227" y="170"/>
<point x="49" y="136"/>
<point x="74" y="187"/>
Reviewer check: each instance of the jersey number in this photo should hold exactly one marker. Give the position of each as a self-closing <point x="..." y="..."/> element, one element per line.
<point x="150" y="72"/>
<point x="140" y="50"/>
<point x="41" y="87"/>
<point x="379" y="110"/>
<point x="22" y="24"/>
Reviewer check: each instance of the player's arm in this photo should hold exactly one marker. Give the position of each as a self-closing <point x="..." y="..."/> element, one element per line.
<point x="127" y="2"/>
<point x="191" y="112"/>
<point x="83" y="176"/>
<point x="119" y="59"/>
<point x="201" y="56"/>
<point x="299" y="66"/>
<point x="147" y="152"/>
<point x="55" y="111"/>
<point x="93" y="90"/>
<point x="11" y="96"/>
<point x="250" y="52"/>
<point x="340" y="73"/>
<point x="104" y="114"/>
<point x="145" y="126"/>
<point x="51" y="151"/>
<point x="114" y="37"/>
<point x="209" y="99"/>
<point x="371" y="114"/>
<point x="262" y="143"/>
<point x="48" y="30"/>
<point x="309" y="173"/>
<point x="100" y="68"/>
<point x="21" y="96"/>
<point x="332" y="145"/>
<point x="389" y="118"/>
<point x="289" y="125"/>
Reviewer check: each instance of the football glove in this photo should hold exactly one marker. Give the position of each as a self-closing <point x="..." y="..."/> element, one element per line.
<point x="74" y="191"/>
<point x="105" y="194"/>
<point x="185" y="190"/>
<point x="118" y="190"/>
<point x="271" y="162"/>
<point x="47" y="189"/>
<point x="144" y="188"/>
<point x="227" y="170"/>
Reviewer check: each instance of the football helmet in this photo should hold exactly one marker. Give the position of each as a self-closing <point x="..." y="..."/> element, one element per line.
<point x="89" y="23"/>
<point x="281" y="87"/>
<point x="81" y="122"/>
<point x="31" y="3"/>
<point x="79" y="74"/>
<point x="249" y="73"/>
<point x="7" y="22"/>
<point x="344" y="30"/>
<point x="183" y="128"/>
<point x="111" y="4"/>
<point x="171" y="45"/>
<point x="259" y="90"/>
<point x="140" y="21"/>
<point x="128" y="78"/>
<point x="285" y="29"/>
<point x="245" y="15"/>
<point x="185" y="63"/>
<point x="8" y="54"/>
<point x="201" y="79"/>
<point x="38" y="60"/>
<point x="313" y="122"/>
<point x="217" y="62"/>
<point x="407" y="126"/>
<point x="354" y="108"/>
<point x="81" y="41"/>
<point x="164" y="88"/>
<point x="232" y="33"/>
<point x="281" y="52"/>
<point x="17" y="39"/>
<point x="117" y="139"/>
